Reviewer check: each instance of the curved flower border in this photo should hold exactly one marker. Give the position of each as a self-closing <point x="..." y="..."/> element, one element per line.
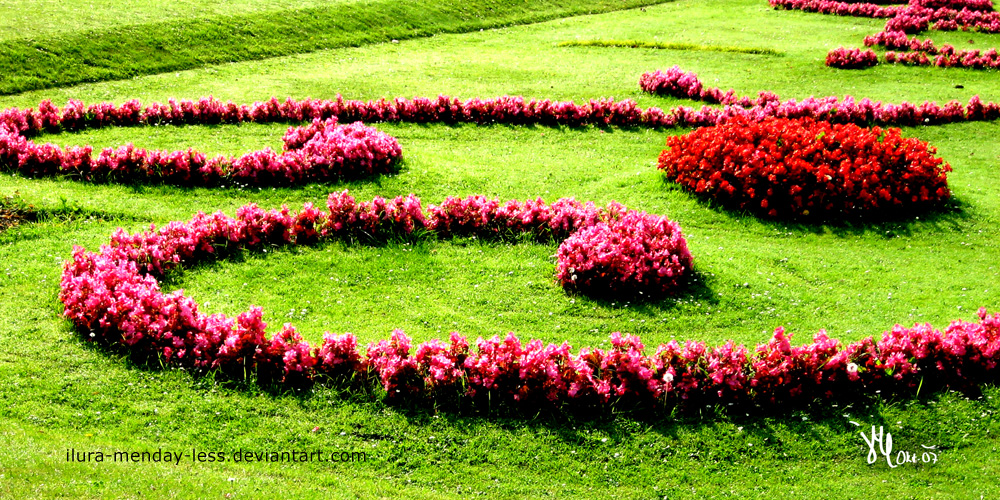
<point x="370" y="152"/>
<point x="676" y="82"/>
<point x="113" y="295"/>
<point x="915" y="17"/>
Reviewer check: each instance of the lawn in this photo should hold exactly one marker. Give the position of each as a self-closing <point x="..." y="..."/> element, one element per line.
<point x="851" y="279"/>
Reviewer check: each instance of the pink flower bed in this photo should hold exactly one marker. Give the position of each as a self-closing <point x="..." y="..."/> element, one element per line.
<point x="916" y="17"/>
<point x="679" y="83"/>
<point x="113" y="296"/>
<point x="319" y="152"/>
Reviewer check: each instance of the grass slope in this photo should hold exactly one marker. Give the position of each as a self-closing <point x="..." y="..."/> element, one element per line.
<point x="59" y="392"/>
<point x="128" y="51"/>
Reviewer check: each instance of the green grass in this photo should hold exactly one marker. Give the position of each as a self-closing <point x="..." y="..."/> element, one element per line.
<point x="641" y="44"/>
<point x="127" y="51"/>
<point x="854" y="280"/>
<point x="32" y="19"/>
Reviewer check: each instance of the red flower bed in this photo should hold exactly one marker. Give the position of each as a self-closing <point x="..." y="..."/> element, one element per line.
<point x="802" y="167"/>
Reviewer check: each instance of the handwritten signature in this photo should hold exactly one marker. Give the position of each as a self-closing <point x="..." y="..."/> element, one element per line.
<point x="881" y="442"/>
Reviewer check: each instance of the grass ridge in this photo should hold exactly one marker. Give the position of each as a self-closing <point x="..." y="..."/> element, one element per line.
<point x="130" y="51"/>
<point x="640" y="44"/>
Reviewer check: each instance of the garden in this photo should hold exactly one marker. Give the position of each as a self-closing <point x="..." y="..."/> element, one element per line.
<point x="586" y="248"/>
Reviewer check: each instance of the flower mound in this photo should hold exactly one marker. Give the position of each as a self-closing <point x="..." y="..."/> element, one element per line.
<point x="637" y="254"/>
<point x="801" y="167"/>
<point x="851" y="58"/>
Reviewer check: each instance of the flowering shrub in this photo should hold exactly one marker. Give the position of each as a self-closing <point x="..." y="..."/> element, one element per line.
<point x="113" y="296"/>
<point x="801" y="167"/>
<point x="851" y="58"/>
<point x="636" y="254"/>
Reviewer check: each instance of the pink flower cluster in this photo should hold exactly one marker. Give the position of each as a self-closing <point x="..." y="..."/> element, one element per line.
<point x="319" y="152"/>
<point x="972" y="59"/>
<point x="487" y="218"/>
<point x="113" y="296"/>
<point x="957" y="5"/>
<point x="947" y="56"/>
<point x="853" y="9"/>
<point x="844" y="58"/>
<point x="679" y="83"/>
<point x="637" y="254"/>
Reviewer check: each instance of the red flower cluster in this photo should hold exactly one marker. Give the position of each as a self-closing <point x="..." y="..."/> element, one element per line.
<point x="320" y="152"/>
<point x="637" y="254"/>
<point x="113" y="296"/>
<point x="851" y="58"/>
<point x="802" y="167"/>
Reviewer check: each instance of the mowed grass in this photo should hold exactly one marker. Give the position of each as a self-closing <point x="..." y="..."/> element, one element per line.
<point x="33" y="19"/>
<point x="853" y="279"/>
<point x="254" y="32"/>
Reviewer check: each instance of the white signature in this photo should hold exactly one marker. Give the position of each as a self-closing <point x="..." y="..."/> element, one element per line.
<point x="881" y="442"/>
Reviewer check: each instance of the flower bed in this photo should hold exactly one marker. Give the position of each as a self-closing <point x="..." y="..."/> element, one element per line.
<point x="676" y="82"/>
<point x="916" y="17"/>
<point x="326" y="150"/>
<point x="113" y="296"/>
<point x="322" y="151"/>
<point x="783" y="167"/>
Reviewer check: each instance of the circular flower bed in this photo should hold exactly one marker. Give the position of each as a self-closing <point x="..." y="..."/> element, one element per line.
<point x="783" y="167"/>
<point x="637" y="254"/>
<point x="114" y="296"/>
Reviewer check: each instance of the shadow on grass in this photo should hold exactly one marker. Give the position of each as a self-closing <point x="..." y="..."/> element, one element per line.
<point x="951" y="216"/>
<point x="16" y="214"/>
<point x="696" y="287"/>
